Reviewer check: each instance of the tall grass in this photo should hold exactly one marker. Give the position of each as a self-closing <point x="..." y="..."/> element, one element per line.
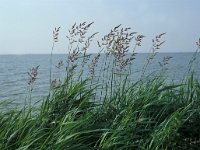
<point x="104" y="110"/>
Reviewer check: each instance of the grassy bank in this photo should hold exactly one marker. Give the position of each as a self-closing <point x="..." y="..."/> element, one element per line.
<point x="149" y="113"/>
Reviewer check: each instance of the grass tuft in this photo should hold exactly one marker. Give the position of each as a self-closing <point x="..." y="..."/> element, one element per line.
<point x="103" y="109"/>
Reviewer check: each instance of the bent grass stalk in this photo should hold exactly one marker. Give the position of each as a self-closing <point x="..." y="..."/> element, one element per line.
<point x="55" y="40"/>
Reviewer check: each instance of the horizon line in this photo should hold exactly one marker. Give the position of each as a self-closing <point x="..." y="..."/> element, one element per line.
<point x="88" y="53"/>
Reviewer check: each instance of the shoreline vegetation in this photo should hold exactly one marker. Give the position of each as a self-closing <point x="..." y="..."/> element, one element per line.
<point x="101" y="108"/>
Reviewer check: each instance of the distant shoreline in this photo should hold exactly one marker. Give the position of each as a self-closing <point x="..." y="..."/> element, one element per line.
<point x="96" y="53"/>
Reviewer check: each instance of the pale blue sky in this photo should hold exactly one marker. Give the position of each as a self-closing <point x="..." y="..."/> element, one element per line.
<point x="26" y="25"/>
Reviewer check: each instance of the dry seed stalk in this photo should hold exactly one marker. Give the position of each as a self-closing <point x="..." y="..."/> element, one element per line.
<point x="55" y="34"/>
<point x="60" y="64"/>
<point x="55" y="39"/>
<point x="165" y="61"/>
<point x="198" y="43"/>
<point x="94" y="63"/>
<point x="155" y="47"/>
<point x="117" y="42"/>
<point x="32" y="76"/>
<point x="127" y="61"/>
<point x="79" y="41"/>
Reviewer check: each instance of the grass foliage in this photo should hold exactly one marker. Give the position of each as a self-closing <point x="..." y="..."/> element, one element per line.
<point x="150" y="113"/>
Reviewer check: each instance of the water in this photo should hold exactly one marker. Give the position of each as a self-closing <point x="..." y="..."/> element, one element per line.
<point x="14" y="68"/>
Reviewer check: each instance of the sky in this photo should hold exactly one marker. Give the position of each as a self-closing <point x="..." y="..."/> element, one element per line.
<point x="26" y="25"/>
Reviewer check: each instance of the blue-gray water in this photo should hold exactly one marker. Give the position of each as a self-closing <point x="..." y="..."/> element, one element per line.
<point x="14" y="68"/>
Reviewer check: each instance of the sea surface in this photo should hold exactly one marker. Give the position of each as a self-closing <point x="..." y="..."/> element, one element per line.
<point x="14" y="77"/>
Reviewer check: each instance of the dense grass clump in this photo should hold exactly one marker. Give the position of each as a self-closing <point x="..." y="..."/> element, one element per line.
<point x="146" y="115"/>
<point x="107" y="111"/>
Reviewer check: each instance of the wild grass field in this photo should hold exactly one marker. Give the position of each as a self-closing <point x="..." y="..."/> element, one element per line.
<point x="107" y="111"/>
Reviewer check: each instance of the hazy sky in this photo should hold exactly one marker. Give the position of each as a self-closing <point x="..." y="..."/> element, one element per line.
<point x="26" y="25"/>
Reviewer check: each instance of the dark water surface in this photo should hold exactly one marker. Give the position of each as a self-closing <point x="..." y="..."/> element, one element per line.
<point x="14" y="68"/>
